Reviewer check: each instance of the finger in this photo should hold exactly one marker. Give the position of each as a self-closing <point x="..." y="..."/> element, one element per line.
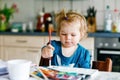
<point x="47" y="53"/>
<point x="50" y="46"/>
<point x="51" y="53"/>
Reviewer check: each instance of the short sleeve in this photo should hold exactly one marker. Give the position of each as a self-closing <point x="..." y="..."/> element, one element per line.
<point x="85" y="60"/>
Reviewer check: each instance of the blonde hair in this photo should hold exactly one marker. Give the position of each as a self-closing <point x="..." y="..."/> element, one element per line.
<point x="69" y="17"/>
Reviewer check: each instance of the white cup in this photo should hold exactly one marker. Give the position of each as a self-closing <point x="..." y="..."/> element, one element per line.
<point x="18" y="69"/>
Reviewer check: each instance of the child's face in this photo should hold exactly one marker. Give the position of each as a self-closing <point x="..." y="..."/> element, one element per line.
<point x="70" y="34"/>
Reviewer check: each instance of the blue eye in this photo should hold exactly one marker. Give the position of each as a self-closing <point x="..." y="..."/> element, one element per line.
<point x="63" y="34"/>
<point x="73" y="35"/>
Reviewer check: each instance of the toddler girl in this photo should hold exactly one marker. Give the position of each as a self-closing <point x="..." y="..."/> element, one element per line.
<point x="71" y="28"/>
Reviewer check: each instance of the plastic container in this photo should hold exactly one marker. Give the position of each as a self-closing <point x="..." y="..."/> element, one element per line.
<point x="108" y="20"/>
<point x="116" y="21"/>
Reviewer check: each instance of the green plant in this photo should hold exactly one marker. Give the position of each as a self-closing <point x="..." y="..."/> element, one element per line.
<point x="5" y="15"/>
<point x="8" y="12"/>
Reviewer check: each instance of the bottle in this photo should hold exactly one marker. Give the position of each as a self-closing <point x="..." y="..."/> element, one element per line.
<point x="116" y="21"/>
<point x="108" y="20"/>
<point x="48" y="22"/>
<point x="118" y="27"/>
<point x="31" y="29"/>
<point x="40" y="20"/>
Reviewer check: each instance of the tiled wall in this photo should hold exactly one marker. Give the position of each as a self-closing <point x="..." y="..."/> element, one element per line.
<point x="28" y="9"/>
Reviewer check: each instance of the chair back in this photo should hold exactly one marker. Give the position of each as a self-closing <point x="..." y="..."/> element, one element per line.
<point x="103" y="65"/>
<point x="44" y="62"/>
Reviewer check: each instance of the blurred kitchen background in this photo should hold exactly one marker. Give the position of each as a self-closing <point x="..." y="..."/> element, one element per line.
<point x="31" y="22"/>
<point x="30" y="9"/>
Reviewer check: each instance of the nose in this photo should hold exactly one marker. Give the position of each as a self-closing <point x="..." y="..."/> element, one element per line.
<point x="68" y="37"/>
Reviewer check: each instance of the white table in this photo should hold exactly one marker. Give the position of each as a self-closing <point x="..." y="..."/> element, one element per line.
<point x="98" y="75"/>
<point x="107" y="76"/>
<point x="6" y="78"/>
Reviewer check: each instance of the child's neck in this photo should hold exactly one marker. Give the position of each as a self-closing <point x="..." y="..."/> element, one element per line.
<point x="67" y="52"/>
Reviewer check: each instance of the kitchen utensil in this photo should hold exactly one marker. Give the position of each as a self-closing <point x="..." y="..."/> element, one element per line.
<point x="91" y="19"/>
<point x="91" y="12"/>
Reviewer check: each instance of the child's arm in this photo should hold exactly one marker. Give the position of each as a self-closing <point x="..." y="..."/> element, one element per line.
<point x="86" y="60"/>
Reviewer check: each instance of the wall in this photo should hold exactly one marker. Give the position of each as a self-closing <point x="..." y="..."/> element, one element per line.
<point x="28" y="9"/>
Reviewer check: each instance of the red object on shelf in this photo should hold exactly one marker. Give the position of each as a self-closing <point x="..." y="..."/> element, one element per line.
<point x="39" y="23"/>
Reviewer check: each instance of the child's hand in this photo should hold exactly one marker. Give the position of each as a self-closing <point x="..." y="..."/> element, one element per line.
<point x="47" y="51"/>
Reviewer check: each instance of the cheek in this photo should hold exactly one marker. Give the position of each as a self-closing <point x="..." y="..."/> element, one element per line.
<point x="77" y="39"/>
<point x="62" y="38"/>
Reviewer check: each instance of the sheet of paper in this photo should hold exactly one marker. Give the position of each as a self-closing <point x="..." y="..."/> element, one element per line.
<point x="91" y="72"/>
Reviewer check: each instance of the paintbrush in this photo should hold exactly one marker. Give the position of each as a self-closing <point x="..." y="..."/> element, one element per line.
<point x="50" y="43"/>
<point x="50" y="35"/>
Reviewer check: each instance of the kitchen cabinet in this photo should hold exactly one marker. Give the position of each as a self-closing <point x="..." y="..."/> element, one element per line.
<point x="23" y="41"/>
<point x="1" y="41"/>
<point x="1" y="47"/>
<point x="23" y="47"/>
<point x="32" y="54"/>
<point x="1" y="53"/>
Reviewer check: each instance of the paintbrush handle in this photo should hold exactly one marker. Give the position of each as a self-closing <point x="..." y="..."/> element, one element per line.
<point x="50" y="43"/>
<point x="50" y="62"/>
<point x="49" y="35"/>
